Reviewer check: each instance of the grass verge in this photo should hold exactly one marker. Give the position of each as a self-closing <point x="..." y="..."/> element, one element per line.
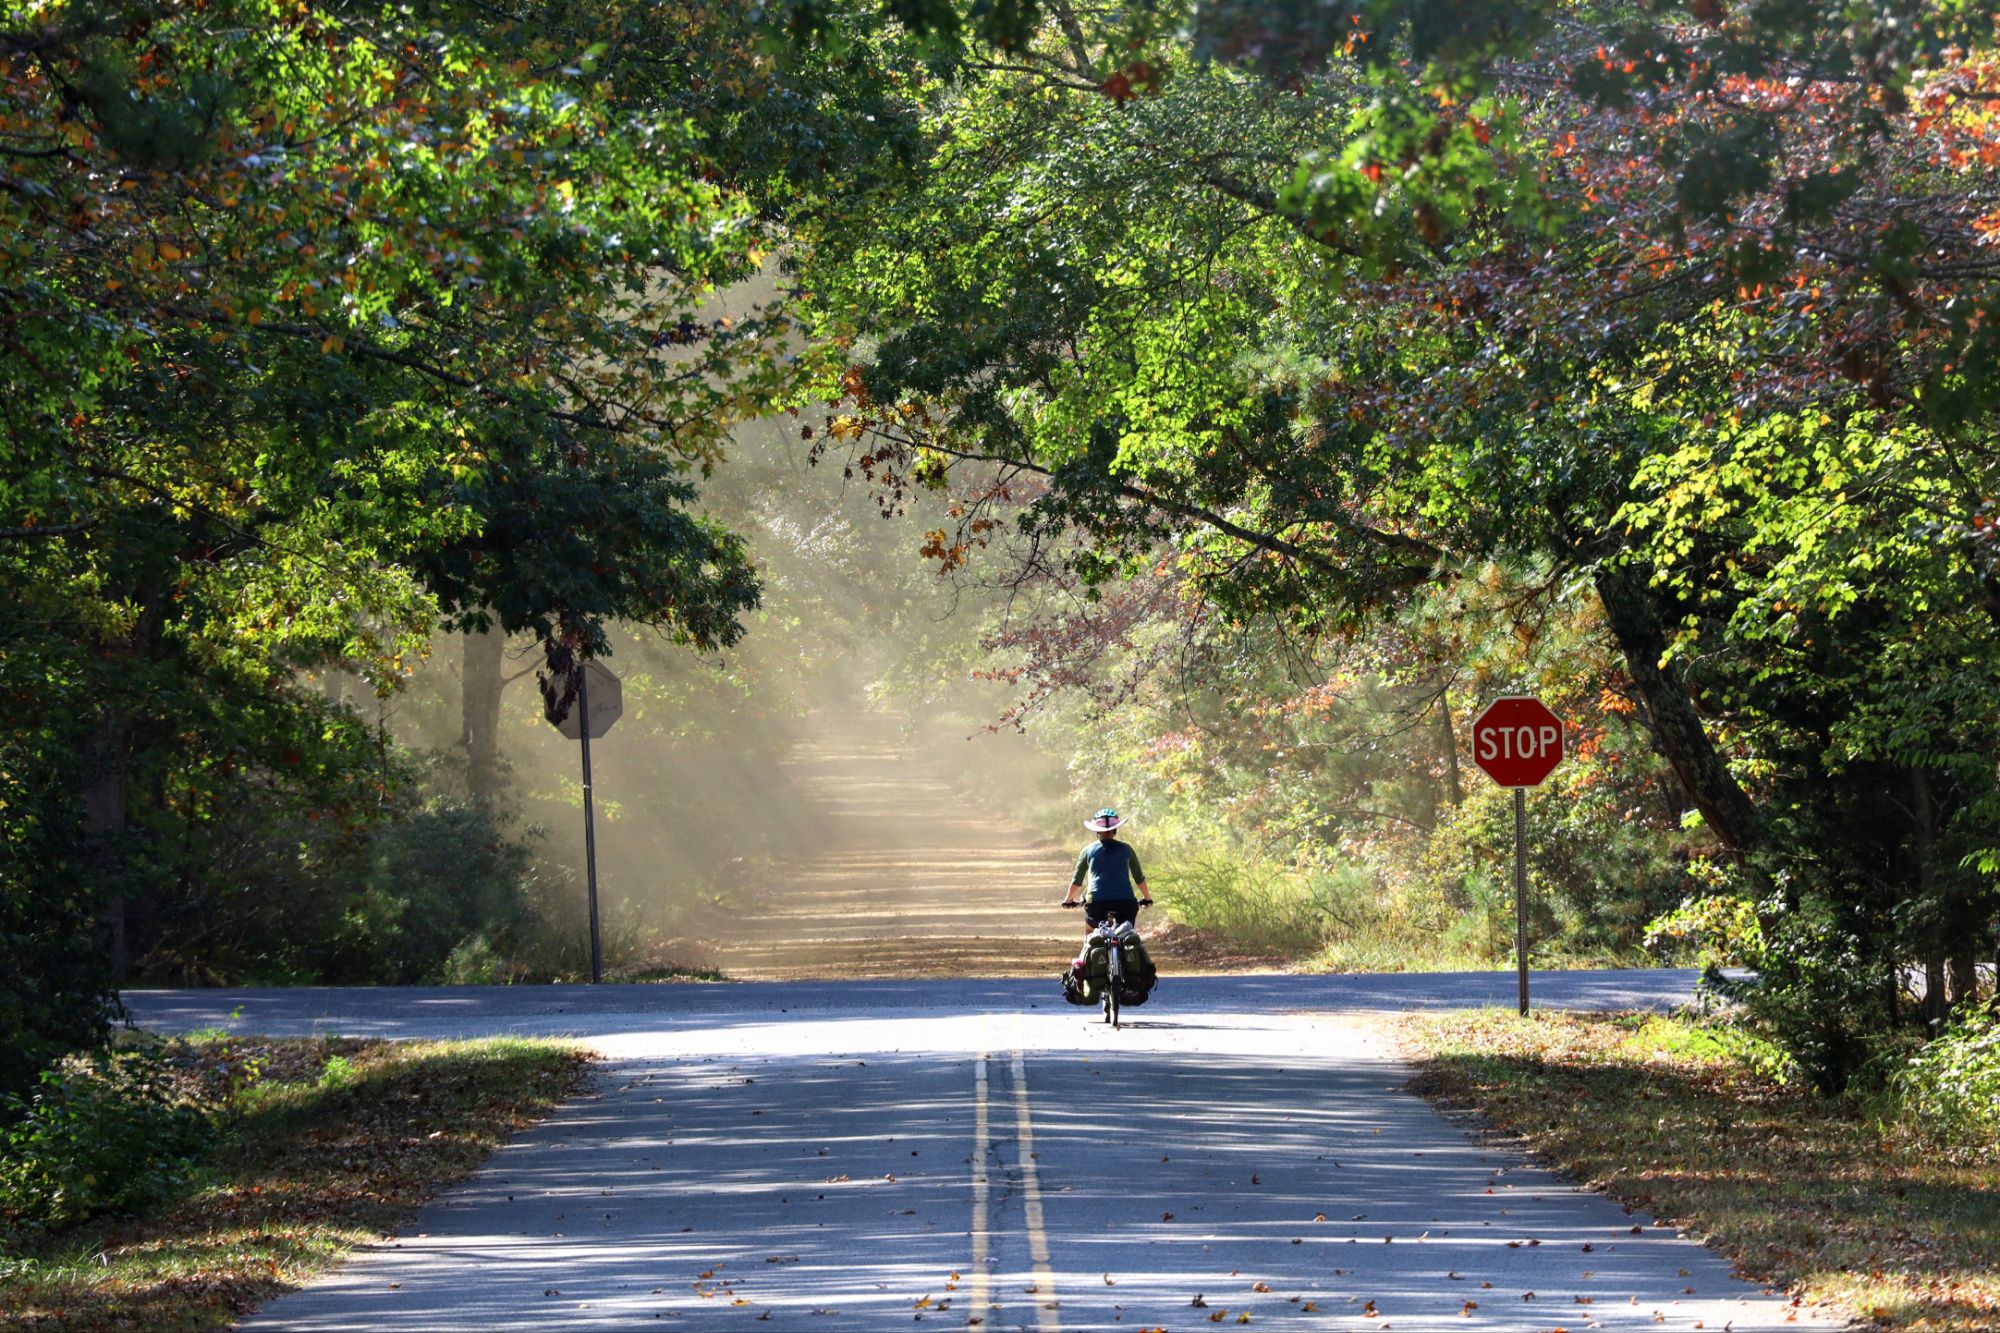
<point x="1842" y="1205"/>
<point x="325" y="1145"/>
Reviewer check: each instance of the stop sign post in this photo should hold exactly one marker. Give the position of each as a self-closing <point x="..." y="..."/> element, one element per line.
<point x="592" y="717"/>
<point x="1518" y="742"/>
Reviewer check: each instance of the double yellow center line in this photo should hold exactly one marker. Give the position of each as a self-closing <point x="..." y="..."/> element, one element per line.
<point x="1044" y="1288"/>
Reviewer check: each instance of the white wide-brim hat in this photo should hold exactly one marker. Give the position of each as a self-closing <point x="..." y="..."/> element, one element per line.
<point x="1104" y="821"/>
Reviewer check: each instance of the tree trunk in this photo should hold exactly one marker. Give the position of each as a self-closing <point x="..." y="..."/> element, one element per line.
<point x="106" y="758"/>
<point x="1454" y="785"/>
<point x="1683" y="741"/>
<point x="479" y="726"/>
<point x="1923" y="820"/>
<point x="1964" y="974"/>
<point x="107" y="764"/>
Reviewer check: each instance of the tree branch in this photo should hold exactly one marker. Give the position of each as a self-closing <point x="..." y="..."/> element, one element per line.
<point x="1411" y="547"/>
<point x="48" y="529"/>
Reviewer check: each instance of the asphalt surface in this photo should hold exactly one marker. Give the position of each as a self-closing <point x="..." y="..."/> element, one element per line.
<point x="856" y="1156"/>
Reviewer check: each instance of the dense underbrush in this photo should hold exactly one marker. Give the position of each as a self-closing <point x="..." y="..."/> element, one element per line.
<point x="1444" y="901"/>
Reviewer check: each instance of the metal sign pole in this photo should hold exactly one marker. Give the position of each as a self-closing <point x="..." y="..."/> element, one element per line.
<point x="1521" y="891"/>
<point x="590" y="825"/>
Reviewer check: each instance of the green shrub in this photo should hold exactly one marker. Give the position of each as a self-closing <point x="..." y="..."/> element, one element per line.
<point x="1951" y="1087"/>
<point x="1717" y="929"/>
<point x="110" y="1135"/>
<point x="1819" y="994"/>
<point x="476" y="962"/>
<point x="337" y="1072"/>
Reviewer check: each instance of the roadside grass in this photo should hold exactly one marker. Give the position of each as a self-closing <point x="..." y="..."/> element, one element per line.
<point x="1332" y="921"/>
<point x="325" y="1146"/>
<point x="1843" y="1203"/>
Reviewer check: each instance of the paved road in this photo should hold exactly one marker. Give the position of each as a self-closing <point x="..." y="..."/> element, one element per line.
<point x="863" y="1155"/>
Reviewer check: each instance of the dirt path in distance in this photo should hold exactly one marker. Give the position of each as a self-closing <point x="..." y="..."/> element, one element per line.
<point x="911" y="877"/>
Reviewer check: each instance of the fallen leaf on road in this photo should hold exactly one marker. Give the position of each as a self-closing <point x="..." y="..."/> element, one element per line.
<point x="921" y="1304"/>
<point x="1470" y="1306"/>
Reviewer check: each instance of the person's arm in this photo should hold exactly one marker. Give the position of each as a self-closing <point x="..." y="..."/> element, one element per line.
<point x="1139" y="880"/>
<point x="1076" y="877"/>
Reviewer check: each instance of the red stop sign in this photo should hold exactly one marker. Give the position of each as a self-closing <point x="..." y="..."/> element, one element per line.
<point x="1517" y="741"/>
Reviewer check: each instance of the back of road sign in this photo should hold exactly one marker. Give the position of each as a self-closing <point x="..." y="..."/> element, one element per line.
<point x="607" y="703"/>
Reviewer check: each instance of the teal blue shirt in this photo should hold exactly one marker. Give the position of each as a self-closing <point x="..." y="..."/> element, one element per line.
<point x="1106" y="871"/>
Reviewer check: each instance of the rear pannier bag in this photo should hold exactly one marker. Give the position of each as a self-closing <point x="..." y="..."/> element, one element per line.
<point x="1140" y="974"/>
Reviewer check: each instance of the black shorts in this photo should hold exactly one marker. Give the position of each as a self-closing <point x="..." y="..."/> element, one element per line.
<point x="1096" y="914"/>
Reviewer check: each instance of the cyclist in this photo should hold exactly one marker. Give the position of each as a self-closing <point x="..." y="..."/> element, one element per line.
<point x="1107" y="873"/>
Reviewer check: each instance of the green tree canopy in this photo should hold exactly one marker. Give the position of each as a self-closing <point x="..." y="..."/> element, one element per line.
<point x="1312" y="311"/>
